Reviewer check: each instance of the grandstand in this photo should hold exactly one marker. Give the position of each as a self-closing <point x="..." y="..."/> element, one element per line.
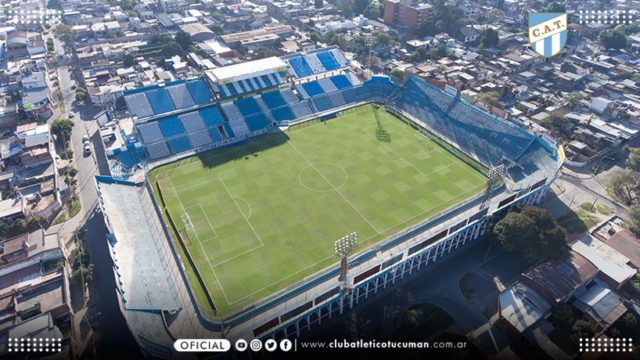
<point x="249" y="77"/>
<point x="258" y="183"/>
<point x="316" y="62"/>
<point x="157" y="100"/>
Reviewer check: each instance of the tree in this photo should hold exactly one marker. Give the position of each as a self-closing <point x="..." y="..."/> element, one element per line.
<point x="490" y="38"/>
<point x="170" y="49"/>
<point x="346" y="7"/>
<point x="532" y="232"/>
<point x="489" y="97"/>
<point x="555" y="8"/>
<point x="613" y="39"/>
<point x="217" y="29"/>
<point x="438" y="52"/>
<point x="623" y="185"/>
<point x="581" y="329"/>
<point x="359" y="6"/>
<point x="127" y="4"/>
<point x="318" y="4"/>
<point x="81" y="94"/>
<point x="65" y="33"/>
<point x="315" y="37"/>
<point x="633" y="161"/>
<point x="383" y="38"/>
<point x="183" y="39"/>
<point x="128" y="60"/>
<point x="574" y="98"/>
<point x="61" y="129"/>
<point x="634" y="220"/>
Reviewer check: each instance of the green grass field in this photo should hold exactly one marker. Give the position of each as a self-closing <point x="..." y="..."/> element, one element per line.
<point x="263" y="215"/>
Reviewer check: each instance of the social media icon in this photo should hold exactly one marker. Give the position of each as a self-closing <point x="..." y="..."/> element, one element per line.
<point x="270" y="345"/>
<point x="255" y="345"/>
<point x="286" y="345"/>
<point x="241" y="345"/>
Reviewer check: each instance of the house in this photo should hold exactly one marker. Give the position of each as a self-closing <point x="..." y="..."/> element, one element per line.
<point x="612" y="265"/>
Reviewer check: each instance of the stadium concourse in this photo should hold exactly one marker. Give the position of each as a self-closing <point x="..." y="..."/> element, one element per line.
<point x="235" y="104"/>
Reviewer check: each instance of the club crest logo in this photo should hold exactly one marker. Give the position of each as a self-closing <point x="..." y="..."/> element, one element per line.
<point x="548" y="33"/>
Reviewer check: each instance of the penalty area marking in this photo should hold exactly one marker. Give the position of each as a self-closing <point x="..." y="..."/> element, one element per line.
<point x="215" y="234"/>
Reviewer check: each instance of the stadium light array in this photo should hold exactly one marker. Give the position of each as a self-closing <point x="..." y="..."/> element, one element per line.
<point x="346" y="244"/>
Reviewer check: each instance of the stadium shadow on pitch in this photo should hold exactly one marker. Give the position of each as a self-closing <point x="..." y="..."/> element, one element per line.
<point x="244" y="150"/>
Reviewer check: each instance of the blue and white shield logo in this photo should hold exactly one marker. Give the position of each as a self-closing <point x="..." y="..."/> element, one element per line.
<point x="548" y="33"/>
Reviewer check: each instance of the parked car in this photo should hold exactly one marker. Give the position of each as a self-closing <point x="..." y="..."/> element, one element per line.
<point x="87" y="148"/>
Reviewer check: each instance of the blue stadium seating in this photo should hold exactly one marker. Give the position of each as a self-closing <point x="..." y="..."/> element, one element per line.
<point x="160" y="101"/>
<point x="179" y="144"/>
<point x="257" y="121"/>
<point x="341" y="82"/>
<point x="300" y="66"/>
<point x="211" y="116"/>
<point x="283" y="113"/>
<point x="199" y="92"/>
<point x="327" y="60"/>
<point x="247" y="106"/>
<point x="215" y="134"/>
<point x="171" y="126"/>
<point x="273" y="99"/>
<point x="312" y="88"/>
<point x="227" y="128"/>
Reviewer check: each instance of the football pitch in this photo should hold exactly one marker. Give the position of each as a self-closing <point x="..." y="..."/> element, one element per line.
<point x="260" y="216"/>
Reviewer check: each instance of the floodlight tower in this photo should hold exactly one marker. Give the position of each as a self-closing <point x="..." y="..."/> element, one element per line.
<point x="495" y="175"/>
<point x="343" y="248"/>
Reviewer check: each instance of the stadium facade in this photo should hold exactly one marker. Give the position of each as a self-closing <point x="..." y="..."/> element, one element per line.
<point x="234" y="104"/>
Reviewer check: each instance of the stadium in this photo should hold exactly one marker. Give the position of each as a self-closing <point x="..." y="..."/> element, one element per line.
<point x="230" y="190"/>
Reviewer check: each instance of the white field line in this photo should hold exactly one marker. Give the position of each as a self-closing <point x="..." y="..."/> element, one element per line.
<point x="334" y="188"/>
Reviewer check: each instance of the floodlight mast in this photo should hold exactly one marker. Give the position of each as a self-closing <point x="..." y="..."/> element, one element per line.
<point x="495" y="174"/>
<point x="343" y="248"/>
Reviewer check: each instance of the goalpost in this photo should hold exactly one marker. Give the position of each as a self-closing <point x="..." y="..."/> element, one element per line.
<point x="187" y="227"/>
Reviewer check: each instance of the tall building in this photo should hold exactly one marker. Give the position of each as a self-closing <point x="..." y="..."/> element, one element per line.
<point x="407" y="13"/>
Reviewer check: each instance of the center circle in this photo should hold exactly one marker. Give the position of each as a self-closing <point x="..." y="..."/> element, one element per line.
<point x="322" y="177"/>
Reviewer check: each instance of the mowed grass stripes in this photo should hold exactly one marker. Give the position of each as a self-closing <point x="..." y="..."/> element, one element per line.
<point x="263" y="215"/>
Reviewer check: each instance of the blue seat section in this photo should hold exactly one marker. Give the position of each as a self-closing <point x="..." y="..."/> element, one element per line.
<point x="231" y="89"/>
<point x="211" y="116"/>
<point x="171" y="126"/>
<point x="283" y="113"/>
<point x="273" y="99"/>
<point x="160" y="101"/>
<point x="267" y="81"/>
<point x="244" y="89"/>
<point x="300" y="66"/>
<point x="327" y="60"/>
<point x="313" y="88"/>
<point x="215" y="134"/>
<point x="199" y="92"/>
<point x="257" y="121"/>
<point x="323" y="103"/>
<point x="179" y="144"/>
<point x="247" y="106"/>
<point x="475" y="131"/>
<point x="341" y="82"/>
<point x="227" y="128"/>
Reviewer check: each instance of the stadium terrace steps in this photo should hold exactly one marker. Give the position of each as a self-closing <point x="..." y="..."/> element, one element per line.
<point x="264" y="108"/>
<point x="327" y="85"/>
<point x="200" y="138"/>
<point x="236" y="120"/>
<point x="158" y="150"/>
<point x="157" y="100"/>
<point x="339" y="57"/>
<point x="315" y="64"/>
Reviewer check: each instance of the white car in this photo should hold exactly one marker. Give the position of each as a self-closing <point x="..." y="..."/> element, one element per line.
<point x="85" y="139"/>
<point x="71" y="115"/>
<point x="87" y="148"/>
